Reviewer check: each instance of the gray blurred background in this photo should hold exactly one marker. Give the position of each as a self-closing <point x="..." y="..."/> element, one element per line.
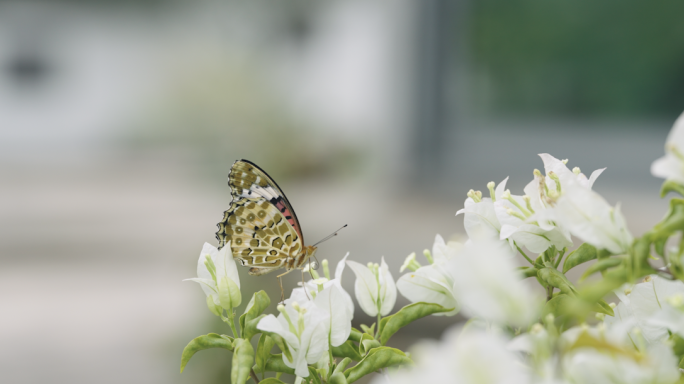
<point x="119" y="122"/>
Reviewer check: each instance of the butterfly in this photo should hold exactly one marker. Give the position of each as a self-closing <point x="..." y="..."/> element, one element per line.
<point x="260" y="225"/>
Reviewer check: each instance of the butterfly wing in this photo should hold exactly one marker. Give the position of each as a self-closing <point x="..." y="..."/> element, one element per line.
<point x="246" y="179"/>
<point x="260" y="225"/>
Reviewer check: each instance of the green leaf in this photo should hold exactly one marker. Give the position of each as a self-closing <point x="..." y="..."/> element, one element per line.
<point x="527" y="272"/>
<point x="355" y="335"/>
<point x="243" y="358"/>
<point x="659" y="246"/>
<point x="263" y="351"/>
<point x="368" y="330"/>
<point x="257" y="305"/>
<point x="229" y="294"/>
<point x="391" y="324"/>
<point x="348" y="349"/>
<point x="676" y="266"/>
<point x="250" y="328"/>
<point x="671" y="186"/>
<point x="281" y="344"/>
<point x="612" y="280"/>
<point x="601" y="265"/>
<point x="313" y="376"/>
<point x="197" y="344"/>
<point x="215" y="309"/>
<point x="677" y="344"/>
<point x="638" y="260"/>
<point x="602" y="307"/>
<point x="557" y="305"/>
<point x="377" y="358"/>
<point x="275" y="363"/>
<point x="673" y="221"/>
<point x="271" y="380"/>
<point x="584" y="253"/>
<point x="556" y="279"/>
<point x="342" y="366"/>
<point x="365" y="338"/>
<point x="337" y="378"/>
<point x="367" y="345"/>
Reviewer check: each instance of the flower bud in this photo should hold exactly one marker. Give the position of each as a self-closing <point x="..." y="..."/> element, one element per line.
<point x="492" y="193"/>
<point x="326" y="270"/>
<point x="536" y="329"/>
<point x="410" y="263"/>
<point x="428" y="256"/>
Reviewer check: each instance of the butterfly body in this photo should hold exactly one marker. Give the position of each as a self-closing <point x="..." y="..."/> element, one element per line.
<point x="260" y="226"/>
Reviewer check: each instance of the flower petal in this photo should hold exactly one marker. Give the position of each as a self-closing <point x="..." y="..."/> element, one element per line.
<point x="365" y="287"/>
<point x="429" y="284"/>
<point x="388" y="289"/>
<point x="225" y="265"/>
<point x="329" y="299"/>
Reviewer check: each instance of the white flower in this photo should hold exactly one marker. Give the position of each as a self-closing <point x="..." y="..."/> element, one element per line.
<point x="671" y="316"/>
<point x="526" y="219"/>
<point x="565" y="175"/>
<point x="374" y="287"/>
<point x="462" y="357"/>
<point x="589" y="365"/>
<point x="329" y="296"/>
<point x="671" y="166"/>
<point x="311" y="286"/>
<point x="519" y="224"/>
<point x="588" y="216"/>
<point x="443" y="251"/>
<point x="303" y="327"/>
<point x="487" y="286"/>
<point x="648" y="305"/>
<point x="218" y="277"/>
<point x="433" y="283"/>
<point x="480" y="220"/>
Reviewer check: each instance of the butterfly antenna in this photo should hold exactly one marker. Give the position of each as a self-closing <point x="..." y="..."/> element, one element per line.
<point x="330" y="236"/>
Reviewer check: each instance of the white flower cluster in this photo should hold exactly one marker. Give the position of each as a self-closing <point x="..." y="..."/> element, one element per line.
<point x="634" y="346"/>
<point x="511" y="335"/>
<point x="479" y="276"/>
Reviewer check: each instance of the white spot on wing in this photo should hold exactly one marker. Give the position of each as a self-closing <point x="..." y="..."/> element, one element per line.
<point x="268" y="192"/>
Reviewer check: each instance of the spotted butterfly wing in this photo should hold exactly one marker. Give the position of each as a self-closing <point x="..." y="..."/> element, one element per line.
<point x="260" y="225"/>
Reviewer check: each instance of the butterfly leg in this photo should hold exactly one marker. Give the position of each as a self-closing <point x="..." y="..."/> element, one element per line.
<point x="280" y="281"/>
<point x="304" y="286"/>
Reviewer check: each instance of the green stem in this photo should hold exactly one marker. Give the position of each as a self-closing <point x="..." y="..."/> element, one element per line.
<point x="231" y="321"/>
<point x="524" y="255"/>
<point x="560" y="257"/>
<point x="377" y="332"/>
<point x="332" y="359"/>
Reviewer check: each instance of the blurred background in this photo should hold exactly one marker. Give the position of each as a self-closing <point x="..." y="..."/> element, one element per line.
<point x="119" y="121"/>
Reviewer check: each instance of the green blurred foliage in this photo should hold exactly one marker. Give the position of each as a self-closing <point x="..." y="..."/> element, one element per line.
<point x="578" y="58"/>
